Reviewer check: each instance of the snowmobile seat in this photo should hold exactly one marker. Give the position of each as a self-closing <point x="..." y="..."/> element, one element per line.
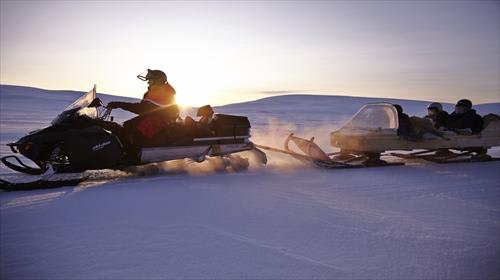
<point x="191" y="132"/>
<point x="175" y="134"/>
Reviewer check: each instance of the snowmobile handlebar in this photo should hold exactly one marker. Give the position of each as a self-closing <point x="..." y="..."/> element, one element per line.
<point x="106" y="114"/>
<point x="96" y="103"/>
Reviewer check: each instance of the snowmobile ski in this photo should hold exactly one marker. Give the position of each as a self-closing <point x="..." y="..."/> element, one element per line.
<point x="20" y="167"/>
<point x="38" y="184"/>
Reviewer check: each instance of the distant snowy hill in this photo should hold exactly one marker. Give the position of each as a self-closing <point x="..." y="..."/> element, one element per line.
<point x="16" y="99"/>
<point x="282" y="221"/>
<point x="292" y="108"/>
<point x="282" y="114"/>
<point x="331" y="107"/>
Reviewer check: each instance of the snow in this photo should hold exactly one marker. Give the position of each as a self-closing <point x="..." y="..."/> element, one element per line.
<point x="287" y="220"/>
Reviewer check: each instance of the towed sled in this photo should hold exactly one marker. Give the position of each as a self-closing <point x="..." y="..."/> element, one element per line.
<point x="372" y="134"/>
<point x="74" y="143"/>
<point x="374" y="130"/>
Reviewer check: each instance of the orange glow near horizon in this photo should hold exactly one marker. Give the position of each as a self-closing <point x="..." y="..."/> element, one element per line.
<point x="219" y="53"/>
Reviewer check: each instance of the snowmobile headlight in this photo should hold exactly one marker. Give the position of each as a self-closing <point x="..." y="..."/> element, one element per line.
<point x="26" y="147"/>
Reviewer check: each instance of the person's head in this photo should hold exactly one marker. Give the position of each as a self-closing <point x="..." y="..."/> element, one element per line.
<point x="463" y="106"/>
<point x="205" y="112"/>
<point x="154" y="77"/>
<point x="434" y="108"/>
<point x="398" y="108"/>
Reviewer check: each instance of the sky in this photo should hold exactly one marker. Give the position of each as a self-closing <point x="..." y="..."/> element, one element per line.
<point x="226" y="52"/>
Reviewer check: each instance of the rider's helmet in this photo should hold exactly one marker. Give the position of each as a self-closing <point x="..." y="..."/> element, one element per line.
<point x="153" y="75"/>
<point x="462" y="106"/>
<point x="466" y="103"/>
<point x="435" y="106"/>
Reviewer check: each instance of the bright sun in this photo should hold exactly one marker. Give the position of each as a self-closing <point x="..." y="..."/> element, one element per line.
<point x="192" y="96"/>
<point x="195" y="90"/>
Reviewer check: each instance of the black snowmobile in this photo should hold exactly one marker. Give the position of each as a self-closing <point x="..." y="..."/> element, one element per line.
<point x="74" y="143"/>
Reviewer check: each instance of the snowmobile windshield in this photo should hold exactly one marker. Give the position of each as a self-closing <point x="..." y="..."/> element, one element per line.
<point x="79" y="107"/>
<point x="375" y="116"/>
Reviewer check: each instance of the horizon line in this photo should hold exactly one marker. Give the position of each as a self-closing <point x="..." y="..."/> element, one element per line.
<point x="265" y="92"/>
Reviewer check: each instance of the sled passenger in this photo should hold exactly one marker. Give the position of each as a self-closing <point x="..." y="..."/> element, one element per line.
<point x="414" y="128"/>
<point x="437" y="115"/>
<point x="200" y="128"/>
<point x="465" y="119"/>
<point x="156" y="110"/>
<point x="403" y="120"/>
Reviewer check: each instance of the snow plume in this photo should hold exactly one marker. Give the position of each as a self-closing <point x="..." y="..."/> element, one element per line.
<point x="107" y="174"/>
<point x="233" y="163"/>
<point x="274" y="133"/>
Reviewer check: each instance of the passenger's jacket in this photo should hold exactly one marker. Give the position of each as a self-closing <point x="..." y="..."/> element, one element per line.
<point x="469" y="119"/>
<point x="440" y="119"/>
<point x="404" y="128"/>
<point x="156" y="110"/>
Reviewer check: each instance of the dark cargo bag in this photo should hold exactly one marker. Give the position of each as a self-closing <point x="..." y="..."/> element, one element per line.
<point x="228" y="125"/>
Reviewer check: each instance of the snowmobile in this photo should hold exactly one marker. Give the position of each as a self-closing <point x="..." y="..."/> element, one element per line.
<point x="372" y="134"/>
<point x="74" y="143"/>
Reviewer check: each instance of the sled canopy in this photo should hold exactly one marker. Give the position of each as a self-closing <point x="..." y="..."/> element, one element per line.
<point x="376" y="116"/>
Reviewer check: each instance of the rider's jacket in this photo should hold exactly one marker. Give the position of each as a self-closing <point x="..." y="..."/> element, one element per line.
<point x="156" y="110"/>
<point x="160" y="95"/>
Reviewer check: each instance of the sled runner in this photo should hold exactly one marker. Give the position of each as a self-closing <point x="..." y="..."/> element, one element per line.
<point x="448" y="155"/>
<point x="74" y="142"/>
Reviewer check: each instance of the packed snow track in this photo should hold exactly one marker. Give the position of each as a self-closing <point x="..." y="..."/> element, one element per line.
<point x="286" y="221"/>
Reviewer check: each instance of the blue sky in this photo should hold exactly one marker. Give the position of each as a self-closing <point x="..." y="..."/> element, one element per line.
<point x="224" y="52"/>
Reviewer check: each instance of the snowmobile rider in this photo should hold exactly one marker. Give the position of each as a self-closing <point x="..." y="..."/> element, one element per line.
<point x="156" y="110"/>
<point x="465" y="119"/>
<point x="437" y="115"/>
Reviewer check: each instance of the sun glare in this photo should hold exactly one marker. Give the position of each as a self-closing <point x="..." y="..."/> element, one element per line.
<point x="193" y="95"/>
<point x="197" y="88"/>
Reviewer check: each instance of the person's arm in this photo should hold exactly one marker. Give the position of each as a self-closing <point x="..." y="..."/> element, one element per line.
<point x="136" y="108"/>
